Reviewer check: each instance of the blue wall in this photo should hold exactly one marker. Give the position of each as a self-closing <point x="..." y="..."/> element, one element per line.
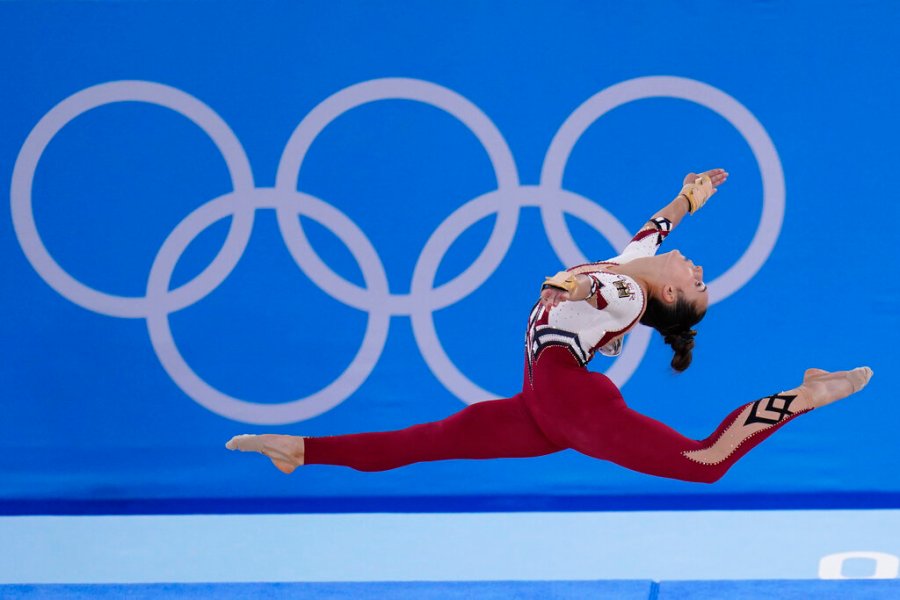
<point x="141" y="331"/>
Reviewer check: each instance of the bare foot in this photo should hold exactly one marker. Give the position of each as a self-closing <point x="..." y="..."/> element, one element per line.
<point x="285" y="451"/>
<point x="812" y="373"/>
<point x="825" y="388"/>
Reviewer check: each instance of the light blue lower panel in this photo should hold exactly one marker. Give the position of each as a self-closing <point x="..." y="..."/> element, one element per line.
<point x="659" y="546"/>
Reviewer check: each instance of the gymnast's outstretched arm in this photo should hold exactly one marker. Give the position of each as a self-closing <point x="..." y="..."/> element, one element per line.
<point x="695" y="191"/>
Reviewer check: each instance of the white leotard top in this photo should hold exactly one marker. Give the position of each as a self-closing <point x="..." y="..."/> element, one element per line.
<point x="584" y="329"/>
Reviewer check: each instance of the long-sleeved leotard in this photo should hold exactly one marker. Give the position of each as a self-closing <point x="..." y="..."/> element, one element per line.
<point x="562" y="405"/>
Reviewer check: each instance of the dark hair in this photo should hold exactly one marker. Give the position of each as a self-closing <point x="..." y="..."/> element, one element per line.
<point x="674" y="322"/>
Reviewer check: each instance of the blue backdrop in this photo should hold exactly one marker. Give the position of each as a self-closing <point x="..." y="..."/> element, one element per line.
<point x="327" y="217"/>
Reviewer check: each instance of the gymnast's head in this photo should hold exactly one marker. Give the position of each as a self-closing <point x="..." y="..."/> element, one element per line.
<point x="676" y="303"/>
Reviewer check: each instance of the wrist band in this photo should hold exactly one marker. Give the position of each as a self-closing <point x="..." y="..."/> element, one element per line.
<point x="697" y="193"/>
<point x="595" y="287"/>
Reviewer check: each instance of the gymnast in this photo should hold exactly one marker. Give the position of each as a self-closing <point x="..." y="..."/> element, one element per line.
<point x="581" y="311"/>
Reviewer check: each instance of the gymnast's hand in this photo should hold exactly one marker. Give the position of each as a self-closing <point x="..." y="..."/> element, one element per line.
<point x="697" y="189"/>
<point x="717" y="176"/>
<point x="551" y="297"/>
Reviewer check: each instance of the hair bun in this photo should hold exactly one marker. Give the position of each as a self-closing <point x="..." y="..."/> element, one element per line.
<point x="674" y="323"/>
<point x="682" y="341"/>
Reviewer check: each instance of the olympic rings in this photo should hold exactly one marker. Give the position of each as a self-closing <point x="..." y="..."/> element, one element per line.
<point x="375" y="298"/>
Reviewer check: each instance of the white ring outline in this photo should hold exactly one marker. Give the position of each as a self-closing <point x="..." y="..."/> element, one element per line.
<point x="709" y="97"/>
<point x="228" y="406"/>
<point x="398" y="89"/>
<point x="241" y="205"/>
<point x="109" y="93"/>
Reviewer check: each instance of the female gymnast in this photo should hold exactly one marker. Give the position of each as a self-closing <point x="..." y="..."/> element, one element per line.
<point x="562" y="405"/>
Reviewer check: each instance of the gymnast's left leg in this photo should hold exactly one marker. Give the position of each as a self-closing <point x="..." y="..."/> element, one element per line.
<point x="286" y="452"/>
<point x="493" y="429"/>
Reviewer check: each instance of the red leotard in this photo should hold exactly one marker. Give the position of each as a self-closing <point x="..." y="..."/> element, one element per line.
<point x="563" y="405"/>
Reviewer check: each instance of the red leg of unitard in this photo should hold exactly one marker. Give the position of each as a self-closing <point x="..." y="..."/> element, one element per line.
<point x="493" y="429"/>
<point x="566" y="407"/>
<point x="642" y="444"/>
<point x="585" y="411"/>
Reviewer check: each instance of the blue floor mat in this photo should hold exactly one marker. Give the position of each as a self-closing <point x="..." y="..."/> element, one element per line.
<point x="798" y="589"/>
<point x="482" y="590"/>
<point x="488" y="590"/>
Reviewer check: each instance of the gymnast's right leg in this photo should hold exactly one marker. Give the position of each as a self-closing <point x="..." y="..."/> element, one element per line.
<point x="637" y="442"/>
<point x="493" y="429"/>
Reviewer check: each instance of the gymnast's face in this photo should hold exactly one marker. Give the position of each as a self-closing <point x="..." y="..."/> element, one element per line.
<point x="687" y="278"/>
